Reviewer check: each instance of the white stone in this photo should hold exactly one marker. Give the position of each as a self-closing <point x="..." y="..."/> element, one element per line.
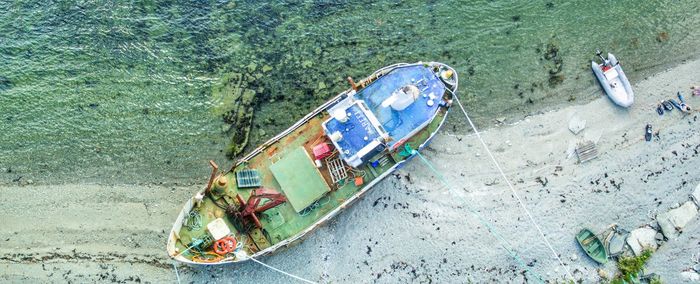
<point x="674" y="220"/>
<point x="690" y="276"/>
<point x="641" y="239"/>
<point x="577" y="124"/>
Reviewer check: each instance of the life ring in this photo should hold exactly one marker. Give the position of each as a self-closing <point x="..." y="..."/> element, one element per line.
<point x="225" y="245"/>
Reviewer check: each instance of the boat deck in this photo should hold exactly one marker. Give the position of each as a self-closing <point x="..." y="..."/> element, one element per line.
<point x="287" y="166"/>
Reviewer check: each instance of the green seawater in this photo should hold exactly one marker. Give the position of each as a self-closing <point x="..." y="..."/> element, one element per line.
<point x="148" y="91"/>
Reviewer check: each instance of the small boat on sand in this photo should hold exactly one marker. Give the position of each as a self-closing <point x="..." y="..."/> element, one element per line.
<point x="307" y="174"/>
<point x="592" y="245"/>
<point x="613" y="80"/>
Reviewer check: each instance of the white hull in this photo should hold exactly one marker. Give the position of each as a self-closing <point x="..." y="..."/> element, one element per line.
<point x="614" y="81"/>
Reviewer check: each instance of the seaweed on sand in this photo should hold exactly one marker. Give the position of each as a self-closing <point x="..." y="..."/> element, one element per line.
<point x="630" y="267"/>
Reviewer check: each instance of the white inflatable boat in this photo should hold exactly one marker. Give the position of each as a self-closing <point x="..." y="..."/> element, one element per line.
<point x="613" y="80"/>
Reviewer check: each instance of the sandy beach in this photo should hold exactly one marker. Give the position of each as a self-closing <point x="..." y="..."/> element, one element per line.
<point x="409" y="228"/>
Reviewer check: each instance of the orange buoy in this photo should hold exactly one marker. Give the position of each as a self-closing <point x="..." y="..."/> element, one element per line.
<point x="225" y="245"/>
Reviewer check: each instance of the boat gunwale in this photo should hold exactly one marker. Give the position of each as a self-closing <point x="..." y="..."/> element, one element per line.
<point x="286" y="242"/>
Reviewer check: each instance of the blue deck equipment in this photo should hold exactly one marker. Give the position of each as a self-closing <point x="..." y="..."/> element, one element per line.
<point x="360" y="134"/>
<point x="391" y="109"/>
<point x="403" y="124"/>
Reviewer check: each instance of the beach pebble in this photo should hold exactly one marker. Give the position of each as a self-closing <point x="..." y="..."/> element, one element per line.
<point x="603" y="274"/>
<point x="659" y="237"/>
<point x="654" y="225"/>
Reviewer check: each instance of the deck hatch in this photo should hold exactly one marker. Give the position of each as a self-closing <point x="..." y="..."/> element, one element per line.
<point x="248" y="178"/>
<point x="299" y="179"/>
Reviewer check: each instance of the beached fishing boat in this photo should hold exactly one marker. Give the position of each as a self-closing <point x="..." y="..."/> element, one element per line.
<point x="592" y="245"/>
<point x="613" y="80"/>
<point x="307" y="174"/>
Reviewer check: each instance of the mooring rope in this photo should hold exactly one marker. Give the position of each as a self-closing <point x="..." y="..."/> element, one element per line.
<point x="177" y="274"/>
<point x="512" y="189"/>
<point x="283" y="272"/>
<point x="503" y="242"/>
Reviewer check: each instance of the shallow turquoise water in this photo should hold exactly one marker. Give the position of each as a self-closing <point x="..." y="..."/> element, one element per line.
<point x="110" y="91"/>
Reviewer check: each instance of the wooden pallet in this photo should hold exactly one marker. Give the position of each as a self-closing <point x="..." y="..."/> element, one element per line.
<point x="586" y="151"/>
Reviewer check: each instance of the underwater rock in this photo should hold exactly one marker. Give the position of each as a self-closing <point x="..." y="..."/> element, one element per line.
<point x="673" y="221"/>
<point x="551" y="52"/>
<point x="662" y="37"/>
<point x="5" y="83"/>
<point x="555" y="64"/>
<point x="252" y="66"/>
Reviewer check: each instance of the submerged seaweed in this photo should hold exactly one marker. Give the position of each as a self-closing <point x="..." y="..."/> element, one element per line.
<point x="162" y="74"/>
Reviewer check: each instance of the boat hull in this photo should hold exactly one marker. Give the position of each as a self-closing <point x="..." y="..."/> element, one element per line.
<point x="189" y="205"/>
<point x="614" y="82"/>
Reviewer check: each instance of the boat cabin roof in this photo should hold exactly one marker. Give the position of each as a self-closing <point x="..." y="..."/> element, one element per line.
<point x="365" y="123"/>
<point x="403" y="124"/>
<point x="359" y="131"/>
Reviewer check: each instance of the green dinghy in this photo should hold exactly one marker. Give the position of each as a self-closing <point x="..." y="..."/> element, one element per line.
<point x="592" y="245"/>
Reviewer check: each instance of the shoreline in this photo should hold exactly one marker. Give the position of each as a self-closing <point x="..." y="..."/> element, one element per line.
<point x="195" y="173"/>
<point x="118" y="232"/>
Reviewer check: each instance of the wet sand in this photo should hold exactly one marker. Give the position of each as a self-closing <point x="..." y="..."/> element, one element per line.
<point x="408" y="228"/>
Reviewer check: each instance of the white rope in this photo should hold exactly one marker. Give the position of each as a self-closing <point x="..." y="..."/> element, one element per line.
<point x="512" y="189"/>
<point x="280" y="271"/>
<point x="176" y="273"/>
<point x="504" y="243"/>
<point x="253" y="259"/>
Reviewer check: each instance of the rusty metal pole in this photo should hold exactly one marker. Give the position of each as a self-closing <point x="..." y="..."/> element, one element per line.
<point x="214" y="169"/>
<point x="352" y="83"/>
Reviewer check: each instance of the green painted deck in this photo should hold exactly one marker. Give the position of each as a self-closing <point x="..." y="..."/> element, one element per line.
<point x="299" y="179"/>
<point x="283" y="221"/>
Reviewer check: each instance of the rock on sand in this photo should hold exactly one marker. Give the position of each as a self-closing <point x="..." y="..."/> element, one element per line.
<point x="642" y="238"/>
<point x="576" y="124"/>
<point x="674" y="220"/>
